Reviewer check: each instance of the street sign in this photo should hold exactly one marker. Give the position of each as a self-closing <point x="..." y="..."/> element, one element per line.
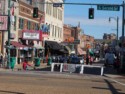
<point x="108" y="7"/>
<point x="57" y="5"/>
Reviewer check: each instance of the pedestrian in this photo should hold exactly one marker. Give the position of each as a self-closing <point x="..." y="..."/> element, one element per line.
<point x="117" y="64"/>
<point x="91" y="60"/>
<point x="87" y="60"/>
<point x="26" y="65"/>
<point x="1" y="60"/>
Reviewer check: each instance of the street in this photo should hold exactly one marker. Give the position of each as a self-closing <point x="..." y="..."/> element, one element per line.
<point x="56" y="83"/>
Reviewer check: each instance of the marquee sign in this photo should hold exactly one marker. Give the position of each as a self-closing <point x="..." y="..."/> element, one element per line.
<point x="31" y="35"/>
<point x="3" y="23"/>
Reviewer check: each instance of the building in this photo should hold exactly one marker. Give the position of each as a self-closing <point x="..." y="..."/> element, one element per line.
<point x="68" y="39"/>
<point x="54" y="17"/>
<point x="25" y="37"/>
<point x="3" y="9"/>
<point x="111" y="36"/>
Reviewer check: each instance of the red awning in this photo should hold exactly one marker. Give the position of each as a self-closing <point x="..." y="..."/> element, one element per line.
<point x="17" y="44"/>
<point x="81" y="52"/>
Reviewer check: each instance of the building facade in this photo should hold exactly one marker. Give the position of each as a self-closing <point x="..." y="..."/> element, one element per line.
<point x="54" y="17"/>
<point x="111" y="36"/>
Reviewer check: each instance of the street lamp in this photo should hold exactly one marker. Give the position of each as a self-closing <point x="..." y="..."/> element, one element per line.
<point x="117" y="20"/>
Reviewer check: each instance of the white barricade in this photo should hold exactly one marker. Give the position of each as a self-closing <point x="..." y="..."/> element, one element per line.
<point x="82" y="68"/>
<point x="66" y="67"/>
<point x="53" y="64"/>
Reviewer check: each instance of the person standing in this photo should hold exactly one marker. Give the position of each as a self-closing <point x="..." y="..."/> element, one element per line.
<point x="87" y="60"/>
<point x="1" y="60"/>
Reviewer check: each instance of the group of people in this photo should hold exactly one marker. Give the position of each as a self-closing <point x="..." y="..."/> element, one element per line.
<point x="113" y="59"/>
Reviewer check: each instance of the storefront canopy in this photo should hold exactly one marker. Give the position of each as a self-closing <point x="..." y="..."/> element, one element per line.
<point x="17" y="45"/>
<point x="38" y="46"/>
<point x="53" y="45"/>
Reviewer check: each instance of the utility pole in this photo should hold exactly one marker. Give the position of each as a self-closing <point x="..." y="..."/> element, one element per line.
<point x="117" y="29"/>
<point x="122" y="40"/>
<point x="117" y="20"/>
<point x="9" y="24"/>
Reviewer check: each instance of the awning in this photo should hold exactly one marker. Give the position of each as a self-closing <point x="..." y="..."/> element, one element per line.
<point x="38" y="46"/>
<point x="53" y="45"/>
<point x="69" y="50"/>
<point x="81" y="52"/>
<point x="18" y="45"/>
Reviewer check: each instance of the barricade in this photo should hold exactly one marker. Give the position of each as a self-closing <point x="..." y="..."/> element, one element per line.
<point x="82" y="68"/>
<point x="66" y="67"/>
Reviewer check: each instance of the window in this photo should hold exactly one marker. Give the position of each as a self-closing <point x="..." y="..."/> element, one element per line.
<point x="15" y="23"/>
<point x="28" y="25"/>
<point x="36" y="26"/>
<point x="21" y="23"/>
<point x="53" y="31"/>
<point x="58" y="32"/>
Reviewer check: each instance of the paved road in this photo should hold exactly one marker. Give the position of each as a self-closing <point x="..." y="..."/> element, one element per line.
<point x="55" y="83"/>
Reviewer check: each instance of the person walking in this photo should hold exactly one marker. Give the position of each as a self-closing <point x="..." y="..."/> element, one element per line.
<point x="91" y="60"/>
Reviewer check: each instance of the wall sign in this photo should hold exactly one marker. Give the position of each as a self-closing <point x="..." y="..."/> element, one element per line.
<point x="3" y="22"/>
<point x="31" y="35"/>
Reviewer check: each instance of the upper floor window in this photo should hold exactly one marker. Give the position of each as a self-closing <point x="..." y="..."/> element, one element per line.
<point x="28" y="25"/>
<point x="36" y="26"/>
<point x="21" y="23"/>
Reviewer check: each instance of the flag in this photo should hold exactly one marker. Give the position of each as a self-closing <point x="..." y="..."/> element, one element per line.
<point x="12" y="11"/>
<point x="12" y="15"/>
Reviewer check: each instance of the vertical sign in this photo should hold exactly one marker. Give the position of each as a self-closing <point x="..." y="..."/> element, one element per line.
<point x="3" y="23"/>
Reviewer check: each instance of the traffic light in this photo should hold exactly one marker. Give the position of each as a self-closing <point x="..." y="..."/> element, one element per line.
<point x="35" y="12"/>
<point x="91" y="13"/>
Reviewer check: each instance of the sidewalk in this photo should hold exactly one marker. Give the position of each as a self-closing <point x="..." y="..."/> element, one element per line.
<point x="18" y="67"/>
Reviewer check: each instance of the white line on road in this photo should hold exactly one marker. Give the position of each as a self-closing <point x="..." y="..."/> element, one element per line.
<point x="117" y="82"/>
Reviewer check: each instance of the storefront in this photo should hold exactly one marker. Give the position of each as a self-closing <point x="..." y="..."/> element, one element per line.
<point x="33" y="40"/>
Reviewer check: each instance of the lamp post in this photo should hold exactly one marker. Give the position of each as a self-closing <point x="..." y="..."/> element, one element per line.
<point x="117" y="20"/>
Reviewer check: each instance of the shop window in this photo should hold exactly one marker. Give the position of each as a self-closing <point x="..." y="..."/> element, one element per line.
<point x="15" y="23"/>
<point x="36" y="26"/>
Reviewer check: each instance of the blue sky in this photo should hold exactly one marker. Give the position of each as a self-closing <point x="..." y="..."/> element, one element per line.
<point x="100" y="24"/>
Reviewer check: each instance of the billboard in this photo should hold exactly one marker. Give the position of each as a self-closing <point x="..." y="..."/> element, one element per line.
<point x="3" y="22"/>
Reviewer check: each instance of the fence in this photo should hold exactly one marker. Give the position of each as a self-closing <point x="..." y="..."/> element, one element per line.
<point x="71" y="67"/>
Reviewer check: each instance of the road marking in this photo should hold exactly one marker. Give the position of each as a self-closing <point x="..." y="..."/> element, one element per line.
<point x="117" y="82"/>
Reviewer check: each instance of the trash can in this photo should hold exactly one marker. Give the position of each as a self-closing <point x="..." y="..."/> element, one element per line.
<point x="12" y="62"/>
<point x="37" y="62"/>
<point x="49" y="61"/>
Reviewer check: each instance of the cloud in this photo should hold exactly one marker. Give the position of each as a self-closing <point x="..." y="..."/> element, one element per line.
<point x="94" y="22"/>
